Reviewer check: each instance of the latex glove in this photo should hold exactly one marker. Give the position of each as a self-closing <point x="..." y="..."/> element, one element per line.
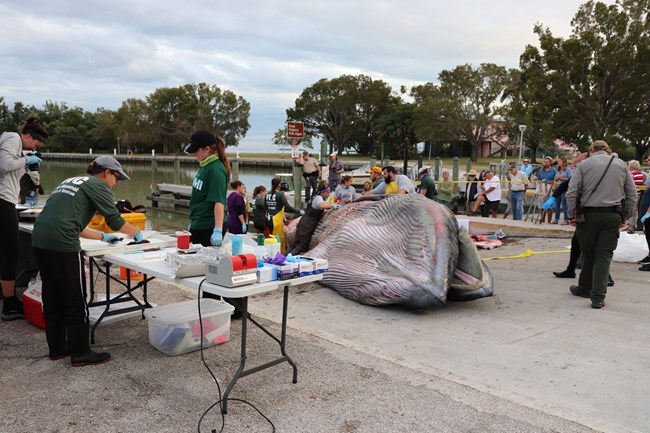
<point x="302" y="212"/>
<point x="645" y="217"/>
<point x="137" y="238"/>
<point x="217" y="237"/>
<point x="110" y="238"/>
<point x="336" y="206"/>
<point x="244" y="228"/>
<point x="548" y="204"/>
<point x="32" y="159"/>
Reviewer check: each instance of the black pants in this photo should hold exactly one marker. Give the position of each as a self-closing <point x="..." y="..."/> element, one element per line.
<point x="8" y="240"/>
<point x="64" y="301"/>
<point x="64" y="286"/>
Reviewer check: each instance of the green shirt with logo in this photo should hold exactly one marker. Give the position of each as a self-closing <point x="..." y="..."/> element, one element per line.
<point x="208" y="187"/>
<point x="68" y="211"/>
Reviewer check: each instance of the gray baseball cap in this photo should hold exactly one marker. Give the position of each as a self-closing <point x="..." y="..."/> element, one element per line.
<point x="111" y="163"/>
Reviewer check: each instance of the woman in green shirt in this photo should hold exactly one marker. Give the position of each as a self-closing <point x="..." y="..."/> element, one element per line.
<point x="208" y="201"/>
<point x="57" y="251"/>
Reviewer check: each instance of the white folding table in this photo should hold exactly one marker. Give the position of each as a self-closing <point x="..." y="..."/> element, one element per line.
<point x="154" y="266"/>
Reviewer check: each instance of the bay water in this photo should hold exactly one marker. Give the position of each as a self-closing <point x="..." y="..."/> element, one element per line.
<point x="144" y="179"/>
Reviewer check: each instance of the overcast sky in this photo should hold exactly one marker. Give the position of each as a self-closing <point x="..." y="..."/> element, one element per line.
<point x="94" y="54"/>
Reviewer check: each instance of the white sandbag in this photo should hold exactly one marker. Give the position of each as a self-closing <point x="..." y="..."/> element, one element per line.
<point x="631" y="248"/>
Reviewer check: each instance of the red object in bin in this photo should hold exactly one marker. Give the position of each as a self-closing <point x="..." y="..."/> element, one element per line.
<point x="33" y="307"/>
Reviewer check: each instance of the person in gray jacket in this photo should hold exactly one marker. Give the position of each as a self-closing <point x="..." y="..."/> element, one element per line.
<point x="14" y="162"/>
<point x="596" y="210"/>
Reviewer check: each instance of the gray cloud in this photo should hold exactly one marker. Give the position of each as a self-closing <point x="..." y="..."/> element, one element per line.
<point x="97" y="54"/>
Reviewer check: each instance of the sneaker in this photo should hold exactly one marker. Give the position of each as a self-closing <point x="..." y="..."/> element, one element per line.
<point x="645" y="267"/>
<point x="610" y="281"/>
<point x="13" y="311"/>
<point x="554" y="222"/>
<point x="597" y="304"/>
<point x="565" y="223"/>
<point x="644" y="261"/>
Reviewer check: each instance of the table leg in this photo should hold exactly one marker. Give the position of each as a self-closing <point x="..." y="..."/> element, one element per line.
<point x="108" y="304"/>
<point x="242" y="359"/>
<point x="283" y="338"/>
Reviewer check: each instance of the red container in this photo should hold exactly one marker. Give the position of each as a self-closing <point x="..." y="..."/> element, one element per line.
<point x="33" y="307"/>
<point x="183" y="240"/>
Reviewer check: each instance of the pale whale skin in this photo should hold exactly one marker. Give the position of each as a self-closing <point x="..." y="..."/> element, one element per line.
<point x="399" y="249"/>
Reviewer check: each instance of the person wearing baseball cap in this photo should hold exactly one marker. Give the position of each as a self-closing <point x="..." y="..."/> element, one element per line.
<point x="311" y="173"/>
<point x="57" y="251"/>
<point x="335" y="170"/>
<point x="375" y="176"/>
<point x="427" y="185"/>
<point x="208" y="199"/>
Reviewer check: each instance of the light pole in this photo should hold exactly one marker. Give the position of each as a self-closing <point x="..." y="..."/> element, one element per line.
<point x="522" y="128"/>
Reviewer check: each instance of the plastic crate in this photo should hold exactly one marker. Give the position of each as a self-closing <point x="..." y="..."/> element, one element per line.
<point x="174" y="329"/>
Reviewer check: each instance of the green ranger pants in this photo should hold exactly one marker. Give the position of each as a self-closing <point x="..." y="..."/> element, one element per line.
<point x="598" y="237"/>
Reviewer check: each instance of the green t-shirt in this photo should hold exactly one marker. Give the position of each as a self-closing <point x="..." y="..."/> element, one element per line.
<point x="430" y="186"/>
<point x="209" y="187"/>
<point x="68" y="211"/>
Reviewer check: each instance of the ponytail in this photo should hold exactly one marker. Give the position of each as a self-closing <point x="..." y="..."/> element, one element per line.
<point x="220" y="149"/>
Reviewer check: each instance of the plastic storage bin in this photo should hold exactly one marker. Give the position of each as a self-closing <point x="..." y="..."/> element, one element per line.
<point x="99" y="223"/>
<point x="174" y="329"/>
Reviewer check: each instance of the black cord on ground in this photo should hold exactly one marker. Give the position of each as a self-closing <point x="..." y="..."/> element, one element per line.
<point x="218" y="402"/>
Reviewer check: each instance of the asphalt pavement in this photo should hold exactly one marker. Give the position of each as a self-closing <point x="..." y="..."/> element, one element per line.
<point x="532" y="358"/>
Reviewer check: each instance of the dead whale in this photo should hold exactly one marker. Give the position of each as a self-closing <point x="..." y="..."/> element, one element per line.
<point x="400" y="249"/>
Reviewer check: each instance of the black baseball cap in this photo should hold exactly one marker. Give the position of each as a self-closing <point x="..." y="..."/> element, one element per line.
<point x="199" y="139"/>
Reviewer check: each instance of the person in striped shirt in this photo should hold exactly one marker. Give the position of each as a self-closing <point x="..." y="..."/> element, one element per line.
<point x="639" y="178"/>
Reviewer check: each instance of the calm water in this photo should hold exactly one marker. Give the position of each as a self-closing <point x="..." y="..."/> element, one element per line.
<point x="144" y="180"/>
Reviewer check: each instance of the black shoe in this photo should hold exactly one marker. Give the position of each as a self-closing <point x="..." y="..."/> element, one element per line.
<point x="644" y="261"/>
<point x="12" y="309"/>
<point x="610" y="282"/>
<point x="575" y="291"/>
<point x="56" y="357"/>
<point x="89" y="358"/>
<point x="565" y="274"/>
<point x="645" y="267"/>
<point x="597" y="305"/>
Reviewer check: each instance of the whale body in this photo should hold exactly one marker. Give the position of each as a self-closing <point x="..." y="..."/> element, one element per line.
<point x="398" y="249"/>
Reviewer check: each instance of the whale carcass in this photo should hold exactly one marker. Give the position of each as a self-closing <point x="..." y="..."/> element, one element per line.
<point x="399" y="249"/>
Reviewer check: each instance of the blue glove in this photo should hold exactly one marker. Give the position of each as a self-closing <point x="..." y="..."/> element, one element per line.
<point x="110" y="238"/>
<point x="217" y="237"/>
<point x="302" y="212"/>
<point x="548" y="204"/>
<point x="645" y="217"/>
<point x="32" y="159"/>
<point x="137" y="238"/>
<point x="336" y="206"/>
<point x="244" y="228"/>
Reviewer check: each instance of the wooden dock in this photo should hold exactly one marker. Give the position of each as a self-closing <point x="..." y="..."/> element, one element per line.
<point x="178" y="195"/>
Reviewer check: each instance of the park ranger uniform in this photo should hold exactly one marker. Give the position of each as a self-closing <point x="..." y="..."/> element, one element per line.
<point x="598" y="235"/>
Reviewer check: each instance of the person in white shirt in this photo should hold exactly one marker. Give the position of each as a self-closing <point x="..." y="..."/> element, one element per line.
<point x="492" y="193"/>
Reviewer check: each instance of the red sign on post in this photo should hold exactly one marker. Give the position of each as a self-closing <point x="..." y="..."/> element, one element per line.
<point x="295" y="130"/>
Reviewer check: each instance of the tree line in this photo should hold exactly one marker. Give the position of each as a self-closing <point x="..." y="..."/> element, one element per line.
<point x="595" y="84"/>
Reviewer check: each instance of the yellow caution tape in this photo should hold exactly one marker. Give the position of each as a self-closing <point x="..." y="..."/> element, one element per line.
<point x="527" y="253"/>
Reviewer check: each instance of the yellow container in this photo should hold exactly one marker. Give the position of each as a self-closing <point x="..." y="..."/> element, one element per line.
<point x="99" y="223"/>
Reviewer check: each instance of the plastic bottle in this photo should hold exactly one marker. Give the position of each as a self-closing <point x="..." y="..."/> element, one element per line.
<point x="272" y="246"/>
<point x="260" y="250"/>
